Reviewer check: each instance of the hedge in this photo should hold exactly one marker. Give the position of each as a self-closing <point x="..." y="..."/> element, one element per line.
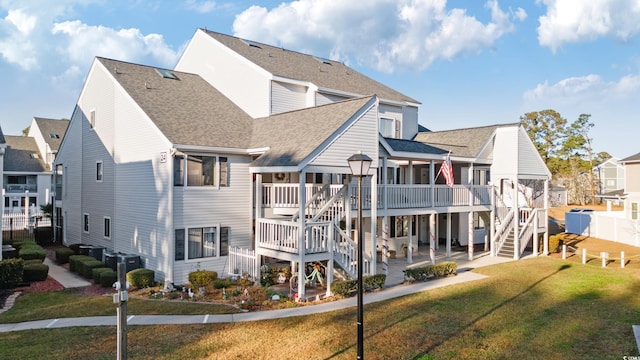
<point x="76" y="248"/>
<point x="141" y="278"/>
<point x="428" y="272"/>
<point x="554" y="243"/>
<point x="18" y="244"/>
<point x="29" y="252"/>
<point x="75" y="259"/>
<point x="202" y="278"/>
<point x="107" y="278"/>
<point x="11" y="271"/>
<point x="32" y="261"/>
<point x="348" y="287"/>
<point x="35" y="272"/>
<point x="97" y="272"/>
<point x="85" y="267"/>
<point x="62" y="255"/>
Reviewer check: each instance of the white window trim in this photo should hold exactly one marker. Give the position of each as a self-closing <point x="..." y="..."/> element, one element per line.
<point x="99" y="162"/>
<point x="104" y="222"/>
<point x="186" y="243"/>
<point x="86" y="225"/>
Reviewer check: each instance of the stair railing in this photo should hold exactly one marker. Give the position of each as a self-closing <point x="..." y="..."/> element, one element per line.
<point x="503" y="230"/>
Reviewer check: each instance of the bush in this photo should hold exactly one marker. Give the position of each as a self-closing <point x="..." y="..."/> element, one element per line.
<point x="29" y="252"/>
<point x="32" y="261"/>
<point x="35" y="272"/>
<point x="425" y="273"/>
<point x="202" y="278"/>
<point x="75" y="259"/>
<point x="62" y="255"/>
<point x="18" y="244"/>
<point x="222" y="283"/>
<point x="141" y="278"/>
<point x="85" y="267"/>
<point x="554" y="242"/>
<point x="349" y="287"/>
<point x="11" y="271"/>
<point x="97" y="272"/>
<point x="43" y="235"/>
<point x="107" y="278"/>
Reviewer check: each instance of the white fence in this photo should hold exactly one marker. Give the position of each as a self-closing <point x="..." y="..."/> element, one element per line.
<point x="243" y="262"/>
<point x="22" y="221"/>
<point x="606" y="225"/>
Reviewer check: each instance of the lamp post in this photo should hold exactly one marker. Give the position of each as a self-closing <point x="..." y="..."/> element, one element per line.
<point x="359" y="164"/>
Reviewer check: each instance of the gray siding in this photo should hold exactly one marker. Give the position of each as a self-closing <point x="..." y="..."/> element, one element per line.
<point x="409" y="122"/>
<point x="632" y="175"/>
<point x="323" y="98"/>
<point x="69" y="156"/>
<point x="227" y="206"/>
<point x="287" y="97"/>
<point x="362" y="135"/>
<point x="529" y="161"/>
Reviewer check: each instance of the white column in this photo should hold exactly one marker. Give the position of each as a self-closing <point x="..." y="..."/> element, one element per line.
<point x="374" y="220"/>
<point x="432" y="181"/>
<point x="471" y="229"/>
<point x="492" y="228"/>
<point x="432" y="238"/>
<point x="448" y="234"/>
<point x="470" y="243"/>
<point x="385" y="245"/>
<point x="258" y="200"/>
<point x="545" y="236"/>
<point x="516" y="220"/>
<point x="302" y="195"/>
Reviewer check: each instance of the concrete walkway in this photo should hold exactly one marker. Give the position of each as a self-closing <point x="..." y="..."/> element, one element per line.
<point x="394" y="288"/>
<point x="65" y="277"/>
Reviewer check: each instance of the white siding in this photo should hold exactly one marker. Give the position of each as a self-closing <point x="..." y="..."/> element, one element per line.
<point x="409" y="122"/>
<point x="97" y="144"/>
<point x="44" y="189"/>
<point x="226" y="206"/>
<point x="241" y="81"/>
<point x="529" y="161"/>
<point x="505" y="155"/>
<point x="287" y="97"/>
<point x="361" y="135"/>
<point x="70" y="157"/>
<point x="323" y="98"/>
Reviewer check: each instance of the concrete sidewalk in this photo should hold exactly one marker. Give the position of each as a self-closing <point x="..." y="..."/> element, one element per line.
<point x="65" y="277"/>
<point x="386" y="294"/>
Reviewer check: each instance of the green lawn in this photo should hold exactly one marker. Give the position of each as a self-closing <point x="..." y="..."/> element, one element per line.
<point x="541" y="308"/>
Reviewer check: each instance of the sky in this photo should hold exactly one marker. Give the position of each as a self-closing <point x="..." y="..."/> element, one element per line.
<point x="469" y="63"/>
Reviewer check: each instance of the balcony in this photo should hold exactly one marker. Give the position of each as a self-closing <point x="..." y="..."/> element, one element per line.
<point x="21" y="188"/>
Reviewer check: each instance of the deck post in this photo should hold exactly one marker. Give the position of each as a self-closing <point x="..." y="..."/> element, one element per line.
<point x="516" y="221"/>
<point x="301" y="234"/>
<point x="545" y="236"/>
<point x="432" y="238"/>
<point x="448" y="234"/>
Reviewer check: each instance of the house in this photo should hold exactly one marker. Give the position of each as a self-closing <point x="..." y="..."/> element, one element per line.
<point x="632" y="187"/>
<point x="241" y="149"/>
<point x="610" y="176"/>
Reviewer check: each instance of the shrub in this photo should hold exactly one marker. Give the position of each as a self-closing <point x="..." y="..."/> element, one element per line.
<point x="554" y="242"/>
<point x="75" y="259"/>
<point x="32" y="261"/>
<point x="141" y="278"/>
<point x="62" y="255"/>
<point x="11" y="271"/>
<point x="97" y="272"/>
<point x="18" y="244"/>
<point x="222" y="283"/>
<point x="85" y="267"/>
<point x="29" y="252"/>
<point x="107" y="278"/>
<point x="349" y="287"/>
<point x="202" y="278"/>
<point x="35" y="272"/>
<point x="43" y="235"/>
<point x="425" y="273"/>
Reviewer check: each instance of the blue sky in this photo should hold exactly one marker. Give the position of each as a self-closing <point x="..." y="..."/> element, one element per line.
<point x="470" y="63"/>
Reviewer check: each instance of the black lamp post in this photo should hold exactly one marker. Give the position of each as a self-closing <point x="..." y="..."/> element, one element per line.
<point x="359" y="164"/>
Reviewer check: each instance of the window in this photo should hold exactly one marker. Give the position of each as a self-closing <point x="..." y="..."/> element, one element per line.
<point x="201" y="242"/>
<point x="107" y="227"/>
<point x="99" y="171"/>
<point x="85" y="222"/>
<point x="167" y="74"/>
<point x="54" y="136"/>
<point x="399" y="226"/>
<point x="92" y="119"/>
<point x="201" y="171"/>
<point x="389" y="128"/>
<point x="58" y="181"/>
<point x="634" y="211"/>
<point x="179" y="244"/>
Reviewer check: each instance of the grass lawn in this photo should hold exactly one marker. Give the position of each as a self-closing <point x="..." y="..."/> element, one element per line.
<point x="542" y="308"/>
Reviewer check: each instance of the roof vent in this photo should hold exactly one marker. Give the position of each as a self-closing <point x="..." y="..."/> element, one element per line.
<point x="323" y="61"/>
<point x="54" y="136"/>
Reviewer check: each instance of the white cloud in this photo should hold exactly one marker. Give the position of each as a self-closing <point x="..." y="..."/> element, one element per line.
<point x="385" y="34"/>
<point x="569" y="21"/>
<point x="202" y="7"/>
<point x="16" y="46"/>
<point x="85" y="41"/>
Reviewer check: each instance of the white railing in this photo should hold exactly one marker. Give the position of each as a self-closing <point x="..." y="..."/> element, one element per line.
<point x="17" y="221"/>
<point x="526" y="231"/>
<point x="333" y="210"/>
<point x="243" y="262"/>
<point x="286" y="195"/>
<point x="406" y="196"/>
<point x="503" y="230"/>
<point x="345" y="252"/>
<point x="318" y="237"/>
<point x="278" y="235"/>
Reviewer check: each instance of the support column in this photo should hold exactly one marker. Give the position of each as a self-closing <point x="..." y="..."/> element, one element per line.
<point x="410" y="239"/>
<point x="302" y="196"/>
<point x="492" y="228"/>
<point x="470" y="242"/>
<point x="432" y="238"/>
<point x="432" y="183"/>
<point x="374" y="220"/>
<point x="385" y="245"/>
<point x="545" y="236"/>
<point x="516" y="221"/>
<point x="258" y="200"/>
<point x="448" y="234"/>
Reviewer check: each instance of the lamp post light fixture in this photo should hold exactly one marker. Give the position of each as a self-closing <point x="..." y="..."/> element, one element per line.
<point x="359" y="164"/>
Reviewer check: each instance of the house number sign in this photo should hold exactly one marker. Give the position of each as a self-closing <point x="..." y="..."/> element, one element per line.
<point x="163" y="157"/>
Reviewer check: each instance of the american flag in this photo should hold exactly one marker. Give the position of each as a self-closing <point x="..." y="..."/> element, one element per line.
<point x="447" y="170"/>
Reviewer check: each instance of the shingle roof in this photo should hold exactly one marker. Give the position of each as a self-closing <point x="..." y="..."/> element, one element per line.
<point x="294" y="135"/>
<point x="461" y="142"/>
<point x="188" y="111"/>
<point x="19" y="155"/>
<point x="52" y="130"/>
<point x="2" y="140"/>
<point x="304" y="67"/>
<point x="632" y="158"/>
<point x="414" y="146"/>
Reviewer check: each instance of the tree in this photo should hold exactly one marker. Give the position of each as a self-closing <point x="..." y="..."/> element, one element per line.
<point x="25" y="131"/>
<point x="575" y="148"/>
<point x="546" y="129"/>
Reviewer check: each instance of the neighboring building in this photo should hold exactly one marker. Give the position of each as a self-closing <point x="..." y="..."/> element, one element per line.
<point x="48" y="134"/>
<point x="184" y="167"/>
<point x="632" y="186"/>
<point x="610" y="176"/>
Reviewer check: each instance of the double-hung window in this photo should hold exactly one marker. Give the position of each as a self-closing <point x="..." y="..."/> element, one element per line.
<point x="107" y="227"/>
<point x="201" y="170"/>
<point x="85" y="222"/>
<point x="99" y="171"/>
<point x="389" y="128"/>
<point x="201" y="242"/>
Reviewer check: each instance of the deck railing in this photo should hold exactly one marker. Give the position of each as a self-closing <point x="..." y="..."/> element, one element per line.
<point x="282" y="235"/>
